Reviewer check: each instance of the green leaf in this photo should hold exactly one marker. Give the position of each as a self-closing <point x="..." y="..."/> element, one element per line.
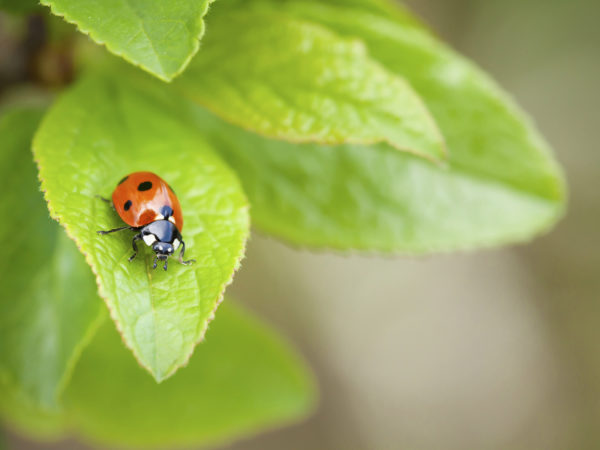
<point x="243" y="379"/>
<point x="501" y="184"/>
<point x="487" y="134"/>
<point x="48" y="307"/>
<point x="160" y="37"/>
<point x="353" y="197"/>
<point x="295" y="80"/>
<point x="98" y="132"/>
<point x="385" y="8"/>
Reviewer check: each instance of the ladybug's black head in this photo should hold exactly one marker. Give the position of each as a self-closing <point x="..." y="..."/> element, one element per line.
<point x="163" y="249"/>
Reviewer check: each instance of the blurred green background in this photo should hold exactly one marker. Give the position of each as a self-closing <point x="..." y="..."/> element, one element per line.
<point x="489" y="350"/>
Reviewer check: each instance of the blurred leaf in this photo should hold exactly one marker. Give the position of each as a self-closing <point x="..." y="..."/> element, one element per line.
<point x="242" y="379"/>
<point x="294" y="80"/>
<point x="20" y="415"/>
<point x="352" y="197"/>
<point x="386" y="8"/>
<point x="48" y="307"/>
<point x="487" y="134"/>
<point x="501" y="185"/>
<point x="161" y="37"/>
<point x="96" y="133"/>
<point x="19" y="6"/>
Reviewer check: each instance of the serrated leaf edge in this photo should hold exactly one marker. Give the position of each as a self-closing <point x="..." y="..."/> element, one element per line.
<point x="162" y="76"/>
<point x="333" y="142"/>
<point x="439" y="136"/>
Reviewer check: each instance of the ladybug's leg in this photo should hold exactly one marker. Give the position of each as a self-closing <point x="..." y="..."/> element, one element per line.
<point x="181" y="253"/>
<point x="137" y="237"/>
<point x="155" y="262"/>
<point x="106" y="200"/>
<point x="165" y="266"/>
<point x="115" y="229"/>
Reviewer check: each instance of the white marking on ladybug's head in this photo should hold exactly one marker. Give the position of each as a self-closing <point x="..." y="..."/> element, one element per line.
<point x="172" y="220"/>
<point x="149" y="239"/>
<point x="176" y="244"/>
<point x="162" y="249"/>
<point x="159" y="217"/>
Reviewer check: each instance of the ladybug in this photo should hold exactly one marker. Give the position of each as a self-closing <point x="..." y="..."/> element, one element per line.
<point x="148" y="205"/>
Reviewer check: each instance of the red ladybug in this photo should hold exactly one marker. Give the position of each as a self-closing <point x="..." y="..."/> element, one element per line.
<point x="148" y="205"/>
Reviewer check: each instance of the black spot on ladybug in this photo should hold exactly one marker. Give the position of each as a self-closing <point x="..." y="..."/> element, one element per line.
<point x="123" y="179"/>
<point x="127" y="205"/>
<point x="145" y="186"/>
<point x="166" y="211"/>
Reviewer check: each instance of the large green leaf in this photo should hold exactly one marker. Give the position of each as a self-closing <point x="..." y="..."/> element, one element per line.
<point x="48" y="307"/>
<point x="159" y="36"/>
<point x="295" y="80"/>
<point x="501" y="184"/>
<point x="488" y="136"/>
<point x="243" y="379"/>
<point x="352" y="197"/>
<point x="96" y="133"/>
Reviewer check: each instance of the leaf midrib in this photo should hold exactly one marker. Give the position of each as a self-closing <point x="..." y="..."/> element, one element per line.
<point x="129" y="6"/>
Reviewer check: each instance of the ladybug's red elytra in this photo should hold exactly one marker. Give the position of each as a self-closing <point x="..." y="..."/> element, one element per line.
<point x="148" y="205"/>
